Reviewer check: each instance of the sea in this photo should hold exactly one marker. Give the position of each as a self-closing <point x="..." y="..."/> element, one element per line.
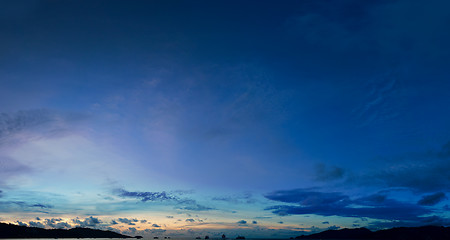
<point x="144" y="238"/>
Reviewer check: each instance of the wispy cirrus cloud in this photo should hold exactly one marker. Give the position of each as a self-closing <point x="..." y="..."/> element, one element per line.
<point x="398" y="171"/>
<point x="242" y="198"/>
<point x="146" y="196"/>
<point x="421" y="171"/>
<point x="382" y="102"/>
<point x="21" y="126"/>
<point x="24" y="206"/>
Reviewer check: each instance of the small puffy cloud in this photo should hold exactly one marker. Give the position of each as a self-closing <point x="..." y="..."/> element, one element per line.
<point x="280" y="222"/>
<point x="127" y="221"/>
<point x="22" y="223"/>
<point x="433" y="199"/>
<point x="169" y="216"/>
<point x="190" y="220"/>
<point x="143" y="221"/>
<point x="63" y="225"/>
<point x="156" y="225"/>
<point x="242" y="222"/>
<point x="325" y="222"/>
<point x="114" y="222"/>
<point x="334" y="227"/>
<point x="254" y="222"/>
<point x="88" y="222"/>
<point x="56" y="223"/>
<point x="36" y="224"/>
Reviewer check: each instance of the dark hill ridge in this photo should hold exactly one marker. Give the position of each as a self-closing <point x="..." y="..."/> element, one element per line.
<point x="14" y="231"/>
<point x="402" y="233"/>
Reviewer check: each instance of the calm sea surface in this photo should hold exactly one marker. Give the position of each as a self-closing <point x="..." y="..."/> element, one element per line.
<point x="172" y="238"/>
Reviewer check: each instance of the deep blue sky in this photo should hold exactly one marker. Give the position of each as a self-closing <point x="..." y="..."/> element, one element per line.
<point x="196" y="117"/>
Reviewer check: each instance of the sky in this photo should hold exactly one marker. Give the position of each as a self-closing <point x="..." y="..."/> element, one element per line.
<point x="266" y="119"/>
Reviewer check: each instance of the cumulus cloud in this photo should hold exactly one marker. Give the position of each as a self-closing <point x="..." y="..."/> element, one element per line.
<point x="132" y="230"/>
<point x="156" y="225"/>
<point x="62" y="225"/>
<point x="36" y="224"/>
<point x="22" y="223"/>
<point x="254" y="222"/>
<point x="87" y="222"/>
<point x="433" y="199"/>
<point x="127" y="221"/>
<point x="334" y="227"/>
<point x="190" y="220"/>
<point x="242" y="222"/>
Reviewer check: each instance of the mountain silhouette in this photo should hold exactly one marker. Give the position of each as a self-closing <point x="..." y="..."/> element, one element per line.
<point x="402" y="233"/>
<point x="14" y="231"/>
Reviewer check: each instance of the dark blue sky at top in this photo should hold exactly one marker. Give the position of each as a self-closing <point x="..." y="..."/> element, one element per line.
<point x="334" y="50"/>
<point x="342" y="99"/>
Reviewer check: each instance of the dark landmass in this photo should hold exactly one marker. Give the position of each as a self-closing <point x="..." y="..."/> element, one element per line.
<point x="14" y="231"/>
<point x="402" y="233"/>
